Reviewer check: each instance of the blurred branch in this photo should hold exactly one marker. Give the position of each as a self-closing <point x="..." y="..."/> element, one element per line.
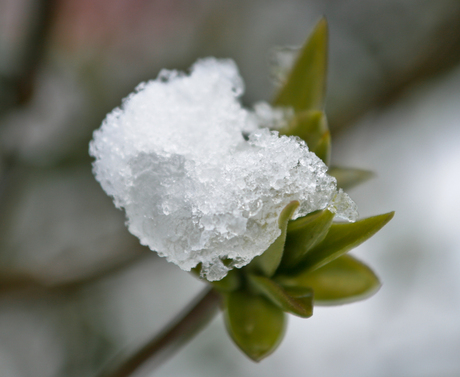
<point x="21" y="86"/>
<point x="23" y="83"/>
<point x="181" y="330"/>
<point x="440" y="54"/>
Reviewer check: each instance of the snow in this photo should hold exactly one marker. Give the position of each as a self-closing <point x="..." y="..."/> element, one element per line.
<point x="199" y="179"/>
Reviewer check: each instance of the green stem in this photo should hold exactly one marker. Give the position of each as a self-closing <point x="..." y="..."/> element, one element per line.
<point x="178" y="333"/>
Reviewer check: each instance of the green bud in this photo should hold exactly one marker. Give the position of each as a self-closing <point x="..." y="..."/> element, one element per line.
<point x="255" y="324"/>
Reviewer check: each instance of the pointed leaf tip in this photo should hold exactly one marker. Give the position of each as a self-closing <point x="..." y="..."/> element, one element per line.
<point x="305" y="87"/>
<point x="341" y="238"/>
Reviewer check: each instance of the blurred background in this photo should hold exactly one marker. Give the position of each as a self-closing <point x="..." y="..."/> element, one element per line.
<point x="77" y="291"/>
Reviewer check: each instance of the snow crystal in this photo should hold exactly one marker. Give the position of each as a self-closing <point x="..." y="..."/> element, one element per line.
<point x="193" y="187"/>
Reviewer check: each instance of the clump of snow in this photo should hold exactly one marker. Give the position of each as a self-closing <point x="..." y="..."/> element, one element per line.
<point x="193" y="188"/>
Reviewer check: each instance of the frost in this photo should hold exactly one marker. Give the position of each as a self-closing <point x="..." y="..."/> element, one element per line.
<point x="193" y="187"/>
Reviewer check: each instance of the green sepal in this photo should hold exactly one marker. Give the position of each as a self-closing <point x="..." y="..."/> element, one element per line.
<point x="341" y="238"/>
<point x="309" y="125"/>
<point x="349" y="177"/>
<point x="323" y="148"/>
<point x="303" y="234"/>
<point x="298" y="302"/>
<point x="342" y="281"/>
<point x="229" y="283"/>
<point x="268" y="262"/>
<point x="305" y="87"/>
<point x="255" y="324"/>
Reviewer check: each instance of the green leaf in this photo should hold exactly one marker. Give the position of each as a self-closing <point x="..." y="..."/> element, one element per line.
<point x="268" y="262"/>
<point x="323" y="148"/>
<point x="341" y="238"/>
<point x="299" y="302"/>
<point x="349" y="177"/>
<point x="305" y="86"/>
<point x="309" y="125"/>
<point x="341" y="281"/>
<point x="304" y="233"/>
<point x="255" y="324"/>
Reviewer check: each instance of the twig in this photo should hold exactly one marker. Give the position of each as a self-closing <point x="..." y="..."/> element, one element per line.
<point x="36" y="48"/>
<point x="181" y="329"/>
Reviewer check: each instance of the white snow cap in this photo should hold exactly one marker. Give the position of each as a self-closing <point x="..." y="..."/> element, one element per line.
<point x="193" y="187"/>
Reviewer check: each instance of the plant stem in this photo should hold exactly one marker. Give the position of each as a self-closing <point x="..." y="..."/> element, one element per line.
<point x="187" y="324"/>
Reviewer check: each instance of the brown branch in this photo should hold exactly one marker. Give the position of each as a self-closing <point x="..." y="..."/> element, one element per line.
<point x="36" y="48"/>
<point x="177" y="334"/>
